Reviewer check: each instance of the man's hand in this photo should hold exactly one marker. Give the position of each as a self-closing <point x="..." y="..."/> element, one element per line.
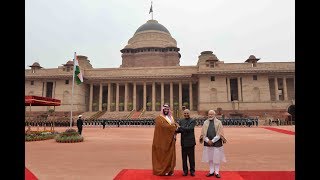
<point x="177" y="125"/>
<point x="210" y="143"/>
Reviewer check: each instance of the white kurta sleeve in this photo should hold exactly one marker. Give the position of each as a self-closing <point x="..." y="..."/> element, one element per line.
<point x="216" y="138"/>
<point x="206" y="139"/>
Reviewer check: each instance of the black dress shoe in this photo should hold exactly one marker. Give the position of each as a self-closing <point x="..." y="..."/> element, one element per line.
<point x="192" y="174"/>
<point x="218" y="176"/>
<point x="208" y="175"/>
<point x="184" y="174"/>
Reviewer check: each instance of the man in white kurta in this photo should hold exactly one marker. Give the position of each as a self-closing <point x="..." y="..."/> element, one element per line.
<point x="212" y="135"/>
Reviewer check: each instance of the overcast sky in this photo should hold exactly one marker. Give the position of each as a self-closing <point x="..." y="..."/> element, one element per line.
<point x="99" y="29"/>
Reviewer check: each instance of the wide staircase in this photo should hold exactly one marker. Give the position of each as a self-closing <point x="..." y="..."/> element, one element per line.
<point x="97" y="115"/>
<point x="137" y="114"/>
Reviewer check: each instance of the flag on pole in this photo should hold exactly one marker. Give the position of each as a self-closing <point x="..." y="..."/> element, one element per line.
<point x="150" y="11"/>
<point x="77" y="72"/>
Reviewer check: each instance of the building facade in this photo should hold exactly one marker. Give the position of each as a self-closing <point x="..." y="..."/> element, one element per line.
<point x="150" y="75"/>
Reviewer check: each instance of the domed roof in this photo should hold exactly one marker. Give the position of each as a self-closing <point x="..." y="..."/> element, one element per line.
<point x="69" y="63"/>
<point x="35" y="64"/>
<point x="152" y="25"/>
<point x="252" y="58"/>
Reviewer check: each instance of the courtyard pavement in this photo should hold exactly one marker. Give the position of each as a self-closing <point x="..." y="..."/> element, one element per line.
<point x="105" y="152"/>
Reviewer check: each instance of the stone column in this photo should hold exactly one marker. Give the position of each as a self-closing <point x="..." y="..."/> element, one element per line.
<point x="153" y="96"/>
<point x="91" y="97"/>
<point x="117" y="97"/>
<point x="162" y="93"/>
<point x="276" y="88"/>
<point x="171" y="95"/>
<point x="134" y="97"/>
<point x="239" y="89"/>
<point x="180" y="95"/>
<point x="285" y="90"/>
<point x="109" y="97"/>
<point x="144" y="95"/>
<point x="126" y="97"/>
<point x="45" y="90"/>
<point x="228" y="89"/>
<point x="54" y="89"/>
<point x="100" y="97"/>
<point x="190" y="96"/>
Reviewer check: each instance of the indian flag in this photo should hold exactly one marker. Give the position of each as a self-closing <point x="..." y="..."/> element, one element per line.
<point x="77" y="72"/>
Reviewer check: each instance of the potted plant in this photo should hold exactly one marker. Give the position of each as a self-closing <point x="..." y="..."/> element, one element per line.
<point x="158" y="104"/>
<point x="186" y="104"/>
<point x="149" y="104"/>
<point x="104" y="106"/>
<point x="121" y="105"/>
<point x="113" y="105"/>
<point x="51" y="111"/>
<point x="176" y="105"/>
<point x="130" y="106"/>
<point x="94" y="105"/>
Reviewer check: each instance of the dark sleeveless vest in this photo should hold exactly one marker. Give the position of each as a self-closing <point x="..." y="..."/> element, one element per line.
<point x="211" y="133"/>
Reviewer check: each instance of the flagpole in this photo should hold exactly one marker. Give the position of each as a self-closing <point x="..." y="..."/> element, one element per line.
<point x="74" y="69"/>
<point x="152" y="11"/>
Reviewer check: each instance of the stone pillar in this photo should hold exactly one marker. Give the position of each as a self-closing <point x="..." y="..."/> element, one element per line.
<point x="126" y="97"/>
<point x="162" y="93"/>
<point x="144" y="95"/>
<point x="153" y="96"/>
<point x="239" y="90"/>
<point x="180" y="95"/>
<point x="100" y="97"/>
<point x="285" y="90"/>
<point x="228" y="90"/>
<point x="117" y="97"/>
<point x="91" y="97"/>
<point x="134" y="96"/>
<point x="190" y="96"/>
<point x="171" y="95"/>
<point x="54" y="89"/>
<point x="276" y="88"/>
<point x="109" y="97"/>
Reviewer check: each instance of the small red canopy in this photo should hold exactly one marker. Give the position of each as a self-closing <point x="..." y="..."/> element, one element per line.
<point x="41" y="101"/>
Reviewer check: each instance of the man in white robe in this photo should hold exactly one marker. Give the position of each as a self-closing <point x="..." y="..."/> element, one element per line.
<point x="213" y="137"/>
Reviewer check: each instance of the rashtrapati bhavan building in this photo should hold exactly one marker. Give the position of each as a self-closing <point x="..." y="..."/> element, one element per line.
<point x="150" y="75"/>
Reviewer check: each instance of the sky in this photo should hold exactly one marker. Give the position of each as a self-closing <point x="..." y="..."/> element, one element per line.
<point x="232" y="29"/>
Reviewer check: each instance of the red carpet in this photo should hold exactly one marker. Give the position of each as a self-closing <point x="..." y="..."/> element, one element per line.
<point x="280" y="130"/>
<point x="139" y="174"/>
<point x="29" y="175"/>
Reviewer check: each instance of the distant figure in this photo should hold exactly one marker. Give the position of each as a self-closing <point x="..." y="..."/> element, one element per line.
<point x="164" y="143"/>
<point x="103" y="124"/>
<point x="79" y="124"/>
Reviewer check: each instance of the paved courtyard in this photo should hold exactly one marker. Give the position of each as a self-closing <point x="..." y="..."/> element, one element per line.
<point x="105" y="152"/>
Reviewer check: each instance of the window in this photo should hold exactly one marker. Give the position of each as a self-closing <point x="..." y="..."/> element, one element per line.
<point x="32" y="82"/>
<point x="213" y="78"/>
<point x="255" y="77"/>
<point x="67" y="82"/>
<point x="68" y="69"/>
<point x="210" y="63"/>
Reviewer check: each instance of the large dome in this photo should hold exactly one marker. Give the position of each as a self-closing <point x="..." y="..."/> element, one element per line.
<point x="152" y="25"/>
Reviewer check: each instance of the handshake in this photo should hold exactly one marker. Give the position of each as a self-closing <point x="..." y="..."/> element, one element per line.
<point x="201" y="139"/>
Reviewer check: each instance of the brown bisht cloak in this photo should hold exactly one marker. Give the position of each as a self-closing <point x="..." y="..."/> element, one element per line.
<point x="163" y="146"/>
